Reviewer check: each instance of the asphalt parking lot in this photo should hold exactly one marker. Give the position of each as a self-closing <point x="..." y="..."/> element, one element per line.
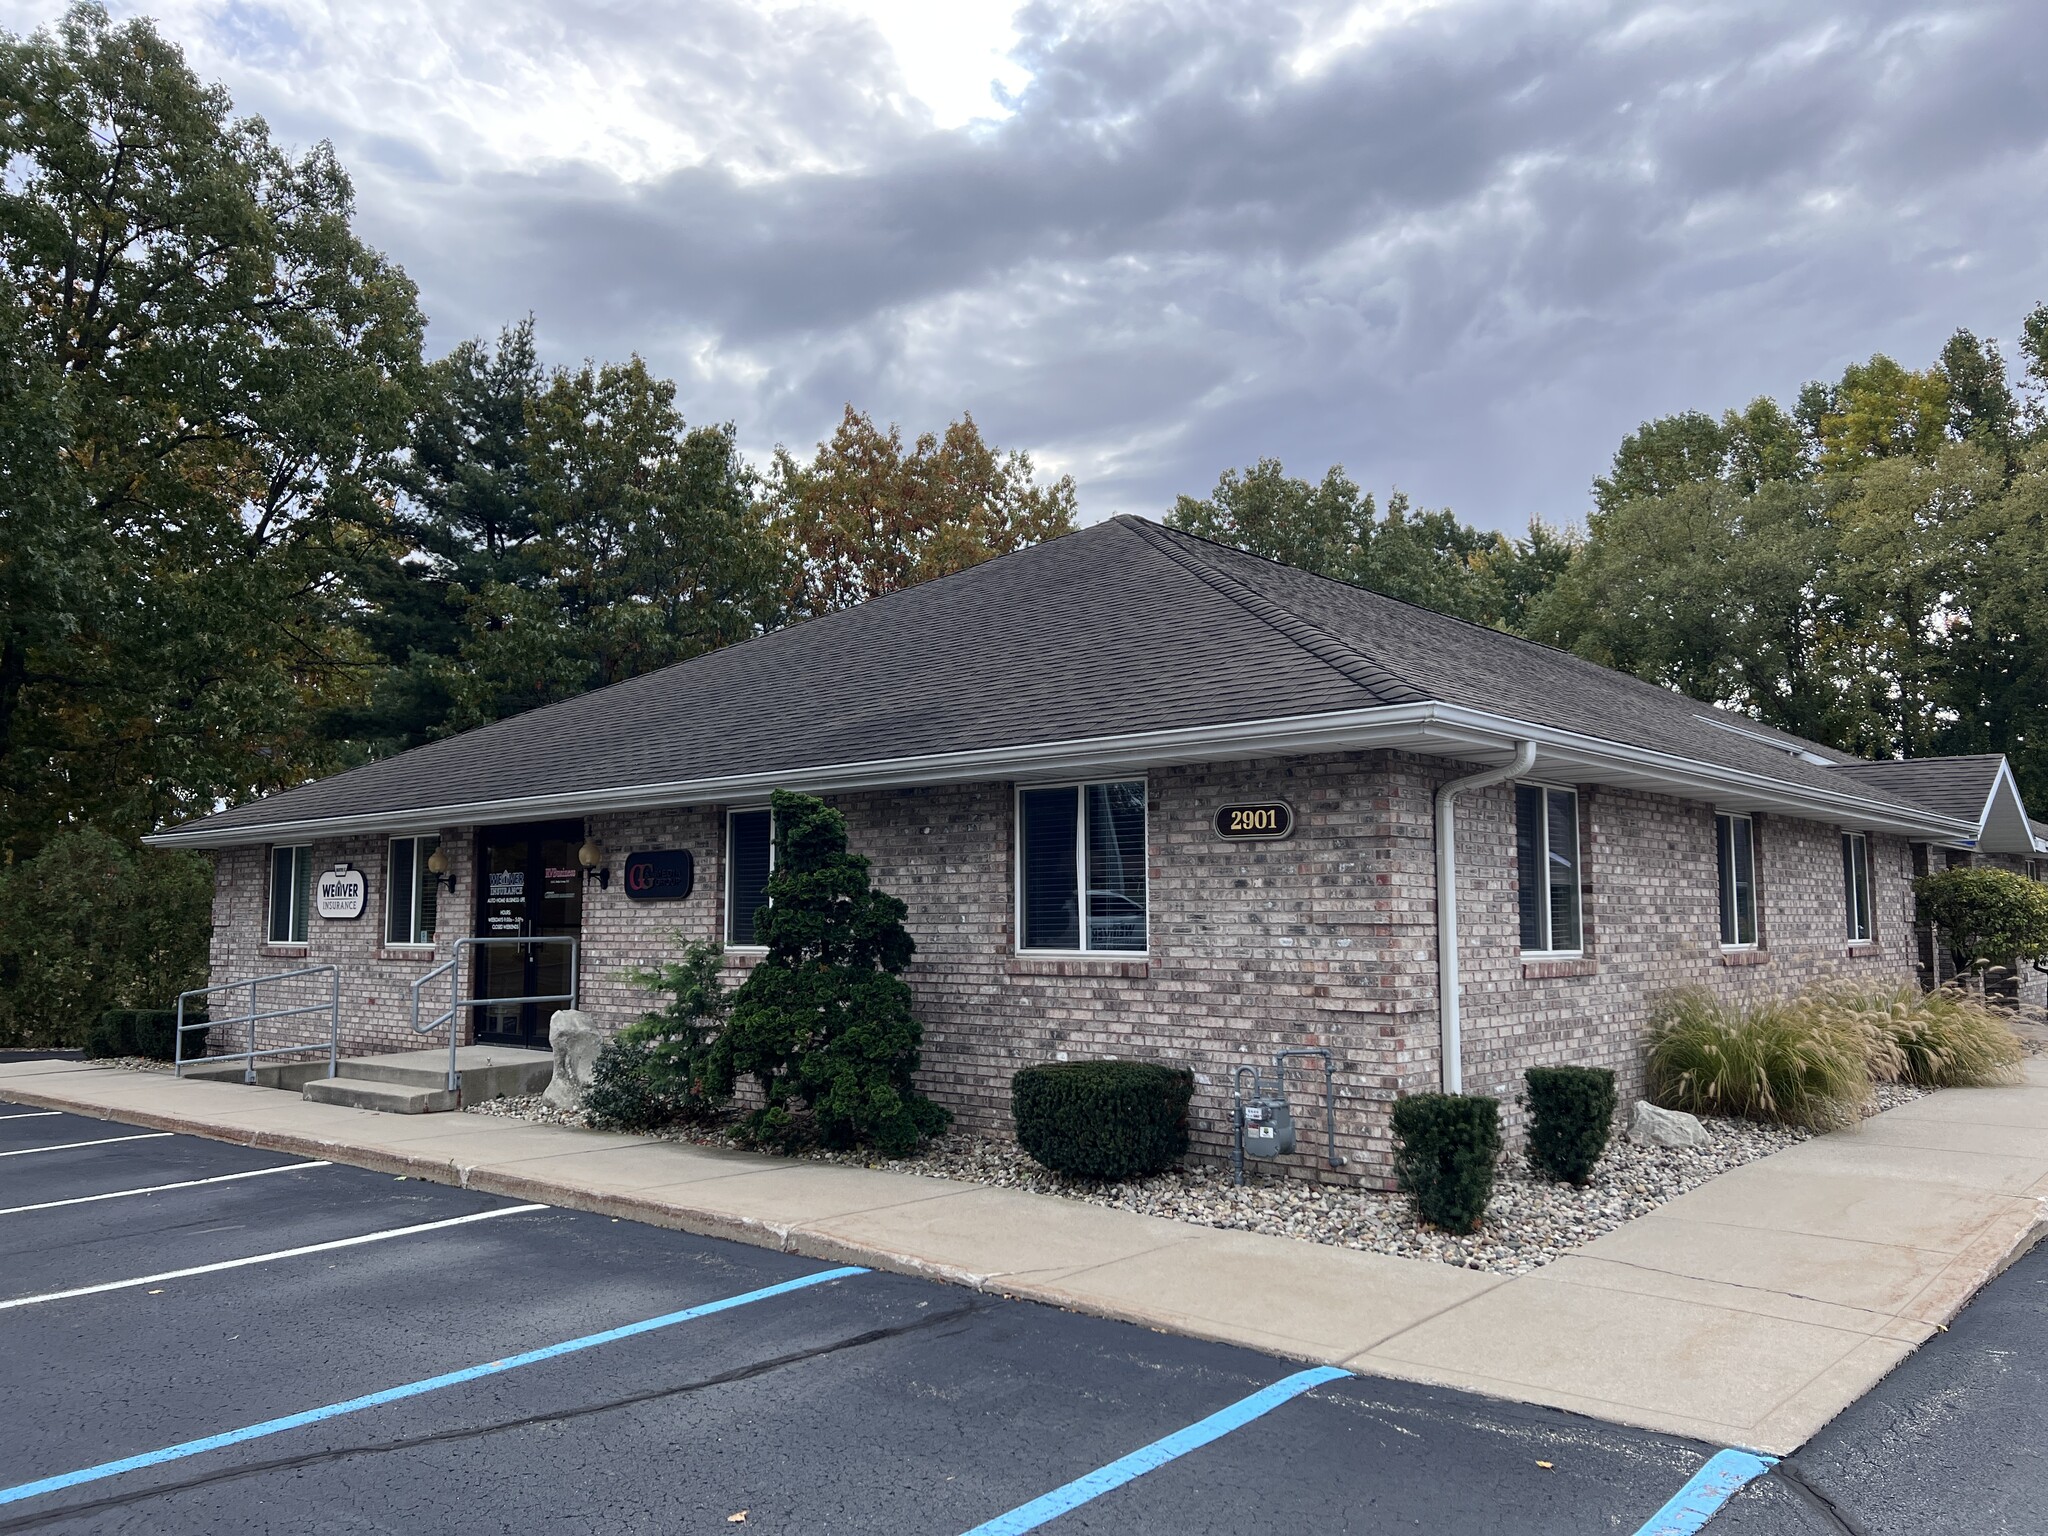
<point x="268" y="1344"/>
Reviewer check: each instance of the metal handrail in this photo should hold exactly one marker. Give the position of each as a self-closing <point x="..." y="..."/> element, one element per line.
<point x="453" y="969"/>
<point x="332" y="1008"/>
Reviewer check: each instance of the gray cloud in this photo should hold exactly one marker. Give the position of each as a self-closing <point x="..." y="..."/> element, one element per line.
<point x="1463" y="256"/>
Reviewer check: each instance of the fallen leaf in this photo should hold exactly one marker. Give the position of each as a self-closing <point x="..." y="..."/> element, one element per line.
<point x="738" y="1518"/>
<point x="1544" y="1465"/>
<point x="156" y="1293"/>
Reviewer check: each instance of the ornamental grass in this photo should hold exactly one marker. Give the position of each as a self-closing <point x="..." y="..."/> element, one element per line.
<point x="1786" y="1061"/>
<point x="1948" y="1038"/>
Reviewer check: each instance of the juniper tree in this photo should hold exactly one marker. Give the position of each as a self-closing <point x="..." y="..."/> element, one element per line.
<point x="823" y="1023"/>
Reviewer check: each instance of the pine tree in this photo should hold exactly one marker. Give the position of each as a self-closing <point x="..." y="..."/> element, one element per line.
<point x="823" y="1024"/>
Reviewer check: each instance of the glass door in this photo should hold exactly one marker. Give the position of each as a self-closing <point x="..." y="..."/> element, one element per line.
<point x="529" y="886"/>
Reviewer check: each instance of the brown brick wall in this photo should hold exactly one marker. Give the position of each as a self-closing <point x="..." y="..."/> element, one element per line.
<point x="1327" y="938"/>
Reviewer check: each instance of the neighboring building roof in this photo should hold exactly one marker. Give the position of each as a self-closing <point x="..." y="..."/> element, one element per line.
<point x="1125" y="642"/>
<point x="1978" y="789"/>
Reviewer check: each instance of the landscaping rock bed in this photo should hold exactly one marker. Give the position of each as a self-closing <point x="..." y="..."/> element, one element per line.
<point x="1529" y="1222"/>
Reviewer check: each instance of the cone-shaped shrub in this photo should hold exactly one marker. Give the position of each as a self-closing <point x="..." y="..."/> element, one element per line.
<point x="1571" y="1114"/>
<point x="823" y="1023"/>
<point x="1103" y="1119"/>
<point x="1446" y="1147"/>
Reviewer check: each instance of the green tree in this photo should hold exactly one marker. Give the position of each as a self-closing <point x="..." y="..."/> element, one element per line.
<point x="823" y="1024"/>
<point x="91" y="923"/>
<point x="1333" y="528"/>
<point x="865" y="516"/>
<point x="649" y="546"/>
<point x="1985" y="916"/>
<point x="206" y="376"/>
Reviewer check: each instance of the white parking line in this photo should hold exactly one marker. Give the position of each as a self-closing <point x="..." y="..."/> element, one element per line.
<point x="157" y="1189"/>
<point x="35" y="1114"/>
<point x="267" y="1258"/>
<point x="104" y="1141"/>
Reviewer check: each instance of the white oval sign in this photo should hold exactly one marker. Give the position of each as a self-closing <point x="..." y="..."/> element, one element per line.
<point x="340" y="892"/>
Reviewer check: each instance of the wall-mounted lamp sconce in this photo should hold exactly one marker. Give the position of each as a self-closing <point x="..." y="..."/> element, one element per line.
<point x="437" y="866"/>
<point x="592" y="856"/>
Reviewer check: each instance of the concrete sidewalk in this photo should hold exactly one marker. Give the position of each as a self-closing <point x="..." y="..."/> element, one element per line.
<point x="1746" y="1313"/>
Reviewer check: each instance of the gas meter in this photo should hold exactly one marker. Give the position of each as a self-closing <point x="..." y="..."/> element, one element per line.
<point x="1265" y="1123"/>
<point x="1267" y="1126"/>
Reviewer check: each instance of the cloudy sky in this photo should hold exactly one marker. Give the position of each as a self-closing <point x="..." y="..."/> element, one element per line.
<point x="1460" y="248"/>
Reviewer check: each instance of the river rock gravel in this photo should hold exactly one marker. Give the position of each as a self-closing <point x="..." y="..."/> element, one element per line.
<point x="1529" y="1222"/>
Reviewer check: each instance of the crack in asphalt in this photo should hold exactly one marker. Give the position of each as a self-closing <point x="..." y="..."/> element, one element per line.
<point x="479" y="1431"/>
<point x="1839" y="1522"/>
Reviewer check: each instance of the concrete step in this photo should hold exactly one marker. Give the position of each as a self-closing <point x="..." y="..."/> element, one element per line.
<point x="391" y="1098"/>
<point x="416" y="1082"/>
<point x="288" y="1075"/>
<point x="486" y="1071"/>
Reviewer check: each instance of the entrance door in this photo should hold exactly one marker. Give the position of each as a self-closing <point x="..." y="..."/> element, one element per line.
<point x="528" y="886"/>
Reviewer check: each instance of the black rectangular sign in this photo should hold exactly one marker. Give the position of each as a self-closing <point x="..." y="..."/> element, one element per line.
<point x="662" y="874"/>
<point x="1267" y="820"/>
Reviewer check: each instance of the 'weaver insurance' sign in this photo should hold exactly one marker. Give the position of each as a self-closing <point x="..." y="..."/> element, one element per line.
<point x="340" y="892"/>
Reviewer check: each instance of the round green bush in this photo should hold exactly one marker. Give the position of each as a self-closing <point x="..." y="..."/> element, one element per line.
<point x="1103" y="1119"/>
<point x="1446" y="1147"/>
<point x="1571" y="1114"/>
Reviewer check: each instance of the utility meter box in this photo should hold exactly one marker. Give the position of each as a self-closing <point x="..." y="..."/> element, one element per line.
<point x="1268" y="1128"/>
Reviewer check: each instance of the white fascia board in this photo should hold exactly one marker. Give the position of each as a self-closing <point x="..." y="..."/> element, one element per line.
<point x="1430" y="729"/>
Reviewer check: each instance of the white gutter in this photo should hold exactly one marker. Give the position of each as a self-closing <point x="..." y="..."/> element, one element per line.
<point x="1442" y="730"/>
<point x="1451" y="1045"/>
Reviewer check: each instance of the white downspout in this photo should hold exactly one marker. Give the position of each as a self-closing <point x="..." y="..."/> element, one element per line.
<point x="1451" y="1046"/>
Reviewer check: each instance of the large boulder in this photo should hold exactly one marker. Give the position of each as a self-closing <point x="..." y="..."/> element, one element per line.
<point x="1650" y="1126"/>
<point x="577" y="1039"/>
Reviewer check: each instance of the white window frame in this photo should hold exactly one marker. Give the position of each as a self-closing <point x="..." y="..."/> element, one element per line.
<point x="1725" y="883"/>
<point x="726" y="924"/>
<point x="1080" y="786"/>
<point x="392" y="895"/>
<point x="298" y="914"/>
<point x="1856" y="849"/>
<point x="1543" y="879"/>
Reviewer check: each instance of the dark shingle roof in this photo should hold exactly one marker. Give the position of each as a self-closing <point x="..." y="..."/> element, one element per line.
<point x="1120" y="628"/>
<point x="1952" y="786"/>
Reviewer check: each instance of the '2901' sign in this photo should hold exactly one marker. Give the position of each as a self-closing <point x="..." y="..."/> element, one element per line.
<point x="1268" y="819"/>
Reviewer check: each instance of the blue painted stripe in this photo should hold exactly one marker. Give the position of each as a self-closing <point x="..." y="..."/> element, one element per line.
<point x="1050" y="1506"/>
<point x="1726" y="1474"/>
<point x="411" y="1389"/>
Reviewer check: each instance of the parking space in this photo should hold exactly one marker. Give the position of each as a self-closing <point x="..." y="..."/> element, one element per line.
<point x="479" y="1365"/>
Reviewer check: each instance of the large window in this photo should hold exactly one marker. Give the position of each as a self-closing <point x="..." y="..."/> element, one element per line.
<point x="1547" y="864"/>
<point x="410" y="891"/>
<point x="291" y="894"/>
<point x="749" y="859"/>
<point x="1856" y="885"/>
<point x="1081" y="867"/>
<point x="1735" y="850"/>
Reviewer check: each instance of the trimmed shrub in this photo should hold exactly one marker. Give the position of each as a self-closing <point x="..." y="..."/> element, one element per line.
<point x="1788" y="1061"/>
<point x="1103" y="1119"/>
<point x="150" y="1032"/>
<point x="823" y="1024"/>
<point x="1944" y="1039"/>
<point x="626" y="1092"/>
<point x="1446" y="1148"/>
<point x="1571" y="1115"/>
<point x="1984" y="916"/>
<point x="677" y="1058"/>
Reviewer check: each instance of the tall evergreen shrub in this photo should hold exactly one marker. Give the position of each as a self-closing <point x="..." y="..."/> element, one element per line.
<point x="823" y="1023"/>
<point x="1571" y="1115"/>
<point x="1446" y="1148"/>
<point x="656" y="1072"/>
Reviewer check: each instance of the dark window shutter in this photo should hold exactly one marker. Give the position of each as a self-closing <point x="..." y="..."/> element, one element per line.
<point x="746" y="880"/>
<point x="1529" y="871"/>
<point x="1052" y="908"/>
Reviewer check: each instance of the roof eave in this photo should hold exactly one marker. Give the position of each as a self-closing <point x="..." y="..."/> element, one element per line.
<point x="1434" y="729"/>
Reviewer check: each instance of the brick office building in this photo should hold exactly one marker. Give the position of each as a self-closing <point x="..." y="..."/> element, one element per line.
<point x="1145" y="796"/>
